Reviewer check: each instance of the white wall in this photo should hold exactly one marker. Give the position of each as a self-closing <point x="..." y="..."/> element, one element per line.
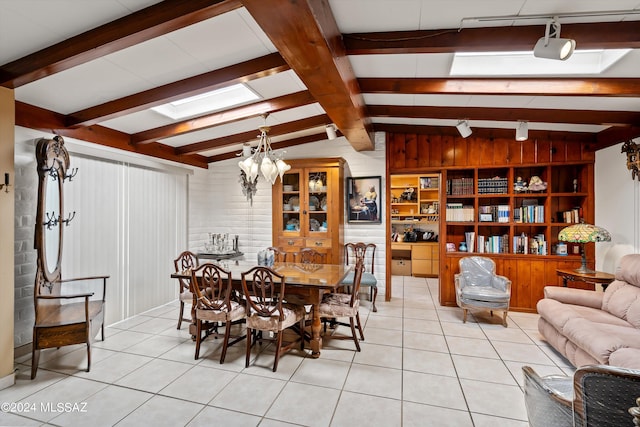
<point x="217" y="205"/>
<point x="617" y="200"/>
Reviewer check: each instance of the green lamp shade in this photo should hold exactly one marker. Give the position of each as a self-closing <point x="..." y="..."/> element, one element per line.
<point x="584" y="233"/>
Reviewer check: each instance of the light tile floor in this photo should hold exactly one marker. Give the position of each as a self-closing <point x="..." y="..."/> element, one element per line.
<point x="419" y="366"/>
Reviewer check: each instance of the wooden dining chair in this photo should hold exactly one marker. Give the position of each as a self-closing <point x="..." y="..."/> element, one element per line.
<point x="310" y="256"/>
<point x="365" y="252"/>
<point x="211" y="285"/>
<point x="279" y="254"/>
<point x="267" y="312"/>
<point x="185" y="261"/>
<point x="347" y="304"/>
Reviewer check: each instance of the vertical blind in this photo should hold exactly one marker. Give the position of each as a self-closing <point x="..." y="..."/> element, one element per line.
<point x="130" y="224"/>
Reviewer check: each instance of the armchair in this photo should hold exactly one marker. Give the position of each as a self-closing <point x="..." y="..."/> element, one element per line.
<point x="478" y="286"/>
<point x="596" y="396"/>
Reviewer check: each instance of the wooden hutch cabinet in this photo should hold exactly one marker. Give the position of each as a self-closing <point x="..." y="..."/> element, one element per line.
<point x="308" y="208"/>
<point x="516" y="227"/>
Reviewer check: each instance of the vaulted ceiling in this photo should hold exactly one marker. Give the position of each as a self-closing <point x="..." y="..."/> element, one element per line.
<point x="92" y="70"/>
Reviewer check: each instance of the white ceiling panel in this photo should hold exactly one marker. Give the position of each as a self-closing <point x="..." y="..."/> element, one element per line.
<point x="354" y="16"/>
<point x="158" y="61"/>
<point x="210" y="42"/>
<point x="586" y="103"/>
<point x="388" y="99"/>
<point x="384" y="65"/>
<point x="88" y="84"/>
<point x="138" y="122"/>
<point x="30" y="25"/>
<point x="277" y="85"/>
<point x="497" y="101"/>
<point x="293" y="114"/>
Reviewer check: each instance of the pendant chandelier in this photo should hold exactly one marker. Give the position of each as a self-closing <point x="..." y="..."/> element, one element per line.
<point x="264" y="159"/>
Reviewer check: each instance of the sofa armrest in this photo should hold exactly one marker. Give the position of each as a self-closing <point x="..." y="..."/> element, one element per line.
<point x="574" y="296"/>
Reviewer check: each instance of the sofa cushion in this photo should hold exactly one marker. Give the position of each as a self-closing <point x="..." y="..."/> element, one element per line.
<point x="600" y="339"/>
<point x="623" y="300"/>
<point x="629" y="269"/>
<point x="626" y="358"/>
<point x="558" y="314"/>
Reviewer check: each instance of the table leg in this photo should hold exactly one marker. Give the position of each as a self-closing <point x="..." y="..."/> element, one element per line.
<point x="316" y="328"/>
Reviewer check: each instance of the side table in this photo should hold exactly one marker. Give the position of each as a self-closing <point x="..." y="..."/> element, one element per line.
<point x="597" y="278"/>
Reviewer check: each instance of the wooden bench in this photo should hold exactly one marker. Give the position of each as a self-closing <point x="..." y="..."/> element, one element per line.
<point x="66" y="319"/>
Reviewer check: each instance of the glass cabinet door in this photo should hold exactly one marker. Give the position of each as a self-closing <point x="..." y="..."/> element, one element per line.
<point x="318" y="202"/>
<point x="292" y="203"/>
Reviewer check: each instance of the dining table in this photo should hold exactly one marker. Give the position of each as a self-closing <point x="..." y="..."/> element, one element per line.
<point x="304" y="282"/>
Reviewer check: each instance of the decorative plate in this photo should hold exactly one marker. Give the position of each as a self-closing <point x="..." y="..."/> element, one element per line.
<point x="313" y="201"/>
<point x="314" y="224"/>
<point x="294" y="201"/>
<point x="323" y="203"/>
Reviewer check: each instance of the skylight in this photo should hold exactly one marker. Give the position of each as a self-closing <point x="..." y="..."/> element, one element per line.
<point x="207" y="102"/>
<point x="524" y="63"/>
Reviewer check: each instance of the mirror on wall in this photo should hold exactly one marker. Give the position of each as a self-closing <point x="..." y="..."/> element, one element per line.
<point x="53" y="162"/>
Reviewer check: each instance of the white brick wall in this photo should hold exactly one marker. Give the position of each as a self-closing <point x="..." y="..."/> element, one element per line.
<point x="217" y="205"/>
<point x="25" y="191"/>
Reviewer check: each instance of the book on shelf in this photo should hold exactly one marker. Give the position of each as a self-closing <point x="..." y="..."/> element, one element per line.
<point x="494" y="213"/>
<point x="459" y="212"/>
<point x="523" y="244"/>
<point x="529" y="214"/>
<point x="570" y="216"/>
<point x="496" y="244"/>
<point x="459" y="186"/>
<point x="496" y="185"/>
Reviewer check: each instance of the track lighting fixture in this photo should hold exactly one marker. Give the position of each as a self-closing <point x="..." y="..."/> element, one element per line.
<point x="551" y="46"/>
<point x="464" y="128"/>
<point x="331" y="131"/>
<point x="522" y="131"/>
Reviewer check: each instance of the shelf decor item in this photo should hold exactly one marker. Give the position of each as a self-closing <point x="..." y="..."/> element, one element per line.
<point x="363" y="202"/>
<point x="584" y="233"/>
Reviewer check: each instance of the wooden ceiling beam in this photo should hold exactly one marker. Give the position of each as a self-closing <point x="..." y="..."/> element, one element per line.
<point x="548" y="86"/>
<point x="240" y="138"/>
<point x="307" y="36"/>
<point x="600" y="35"/>
<point x="613" y="136"/>
<point x="153" y="21"/>
<point x="607" y="118"/>
<point x="238" y="73"/>
<point x="48" y="121"/>
<point x="224" y="117"/>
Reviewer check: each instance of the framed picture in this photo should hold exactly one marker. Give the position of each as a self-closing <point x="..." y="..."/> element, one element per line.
<point x="364" y="202"/>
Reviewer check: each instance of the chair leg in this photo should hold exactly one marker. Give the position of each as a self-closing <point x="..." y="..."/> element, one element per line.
<point x="180" y="314"/>
<point x="249" y="334"/>
<point x="35" y="357"/>
<point x="302" y="322"/>
<point x="225" y="343"/>
<point x="278" y="347"/>
<point x="198" y="338"/>
<point x="359" y="326"/>
<point x="374" y="290"/>
<point x="504" y="318"/>
<point x="464" y="315"/>
<point x="88" y="355"/>
<point x="353" y="333"/>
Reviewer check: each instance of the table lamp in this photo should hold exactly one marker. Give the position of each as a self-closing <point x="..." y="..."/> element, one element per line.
<point x="583" y="233"/>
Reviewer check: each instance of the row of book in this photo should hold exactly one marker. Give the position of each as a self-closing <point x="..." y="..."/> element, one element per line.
<point x="459" y="186"/>
<point x="529" y="214"/>
<point x="524" y="244"/>
<point x="495" y="185"/>
<point x="493" y="244"/>
<point x="493" y="213"/>
<point x="570" y="216"/>
<point x="459" y="212"/>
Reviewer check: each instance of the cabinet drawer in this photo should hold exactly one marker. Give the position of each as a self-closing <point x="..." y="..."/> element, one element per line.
<point x="286" y="243"/>
<point x="421" y="252"/>
<point x="318" y="243"/>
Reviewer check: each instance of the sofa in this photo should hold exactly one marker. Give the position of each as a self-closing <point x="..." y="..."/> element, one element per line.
<point x="590" y="327"/>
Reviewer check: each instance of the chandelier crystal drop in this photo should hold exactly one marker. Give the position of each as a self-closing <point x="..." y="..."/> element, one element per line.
<point x="264" y="159"/>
